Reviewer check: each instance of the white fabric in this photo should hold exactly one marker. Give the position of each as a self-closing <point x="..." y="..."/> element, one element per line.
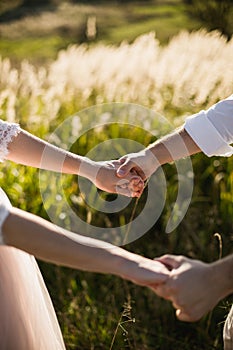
<point x="27" y="317"/>
<point x="212" y="130"/>
<point x="7" y="132"/>
<point x="228" y="331"/>
<point x="4" y="211"/>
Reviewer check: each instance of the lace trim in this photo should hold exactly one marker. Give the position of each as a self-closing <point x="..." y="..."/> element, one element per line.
<point x="7" y="132"/>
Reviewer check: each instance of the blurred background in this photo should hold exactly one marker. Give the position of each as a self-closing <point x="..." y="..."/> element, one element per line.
<point x="174" y="57"/>
<point x="36" y="30"/>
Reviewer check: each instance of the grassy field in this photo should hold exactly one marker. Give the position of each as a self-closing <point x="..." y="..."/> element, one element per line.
<point x="37" y="34"/>
<point x="175" y="77"/>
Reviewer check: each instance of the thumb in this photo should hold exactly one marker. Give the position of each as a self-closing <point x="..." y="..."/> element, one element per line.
<point x="125" y="168"/>
<point x="182" y="316"/>
<point x="170" y="261"/>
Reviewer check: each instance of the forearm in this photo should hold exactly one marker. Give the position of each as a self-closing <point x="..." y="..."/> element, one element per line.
<point x="30" y="150"/>
<point x="51" y="243"/>
<point x="222" y="271"/>
<point x="173" y="147"/>
<point x="211" y="133"/>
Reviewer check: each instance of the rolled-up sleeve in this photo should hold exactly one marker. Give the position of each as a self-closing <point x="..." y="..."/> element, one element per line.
<point x="212" y="130"/>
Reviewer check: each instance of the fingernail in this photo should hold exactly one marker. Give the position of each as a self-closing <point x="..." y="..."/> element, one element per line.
<point x="120" y="172"/>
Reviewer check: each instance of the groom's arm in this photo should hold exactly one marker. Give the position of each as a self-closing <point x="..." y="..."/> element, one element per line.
<point x="210" y="132"/>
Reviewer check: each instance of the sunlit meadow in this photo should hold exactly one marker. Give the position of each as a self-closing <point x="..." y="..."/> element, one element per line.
<point x="192" y="72"/>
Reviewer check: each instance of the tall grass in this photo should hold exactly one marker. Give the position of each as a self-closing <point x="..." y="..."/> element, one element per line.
<point x="192" y="72"/>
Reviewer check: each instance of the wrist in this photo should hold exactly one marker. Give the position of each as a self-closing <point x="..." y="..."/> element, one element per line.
<point x="125" y="264"/>
<point x="88" y="168"/>
<point x="157" y="154"/>
<point x="174" y="146"/>
<point x="222" y="271"/>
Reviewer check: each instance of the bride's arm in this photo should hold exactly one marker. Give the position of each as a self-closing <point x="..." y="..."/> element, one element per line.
<point x="30" y="150"/>
<point x="54" y="244"/>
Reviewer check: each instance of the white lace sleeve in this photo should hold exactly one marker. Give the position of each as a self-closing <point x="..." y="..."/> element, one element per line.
<point x="7" y="132"/>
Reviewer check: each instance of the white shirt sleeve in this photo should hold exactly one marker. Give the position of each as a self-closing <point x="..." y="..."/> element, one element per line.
<point x="212" y="130"/>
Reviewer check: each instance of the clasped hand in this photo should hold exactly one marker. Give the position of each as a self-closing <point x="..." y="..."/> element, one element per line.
<point x="185" y="282"/>
<point x="192" y="286"/>
<point x="104" y="176"/>
<point x="125" y="176"/>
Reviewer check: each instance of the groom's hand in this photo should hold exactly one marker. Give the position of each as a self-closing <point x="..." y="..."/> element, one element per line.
<point x="143" y="163"/>
<point x="192" y="287"/>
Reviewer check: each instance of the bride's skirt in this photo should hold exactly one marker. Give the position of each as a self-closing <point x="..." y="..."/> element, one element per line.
<point x="27" y="317"/>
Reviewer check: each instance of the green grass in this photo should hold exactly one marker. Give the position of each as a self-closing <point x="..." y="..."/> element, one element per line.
<point x="115" y="22"/>
<point x="36" y="49"/>
<point x="96" y="311"/>
<point x="164" y="24"/>
<point x="165" y="18"/>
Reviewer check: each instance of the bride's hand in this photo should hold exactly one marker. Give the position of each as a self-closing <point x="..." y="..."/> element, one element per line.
<point x="104" y="177"/>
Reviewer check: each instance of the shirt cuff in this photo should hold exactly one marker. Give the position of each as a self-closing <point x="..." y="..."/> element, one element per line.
<point x="206" y="136"/>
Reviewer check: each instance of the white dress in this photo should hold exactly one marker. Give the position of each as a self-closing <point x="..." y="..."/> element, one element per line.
<point x="27" y="317"/>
